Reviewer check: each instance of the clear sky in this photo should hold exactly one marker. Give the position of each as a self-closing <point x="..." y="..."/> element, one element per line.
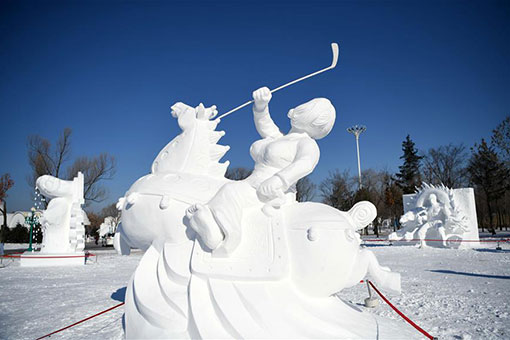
<point x="439" y="71"/>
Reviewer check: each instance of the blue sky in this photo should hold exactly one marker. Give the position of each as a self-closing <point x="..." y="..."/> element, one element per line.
<point x="439" y="71"/>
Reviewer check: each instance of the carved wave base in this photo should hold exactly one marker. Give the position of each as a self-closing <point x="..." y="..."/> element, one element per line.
<point x="37" y="259"/>
<point x="165" y="300"/>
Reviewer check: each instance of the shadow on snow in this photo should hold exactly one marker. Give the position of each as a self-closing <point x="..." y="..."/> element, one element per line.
<point x="119" y="295"/>
<point x="471" y="274"/>
<point x="486" y="250"/>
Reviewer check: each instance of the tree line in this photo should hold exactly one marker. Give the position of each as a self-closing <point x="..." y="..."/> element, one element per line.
<point x="485" y="167"/>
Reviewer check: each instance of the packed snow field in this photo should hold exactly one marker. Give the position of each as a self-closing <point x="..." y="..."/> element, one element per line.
<point x="452" y="294"/>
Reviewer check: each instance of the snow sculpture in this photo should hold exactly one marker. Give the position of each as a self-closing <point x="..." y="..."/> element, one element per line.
<point x="62" y="223"/>
<point x="108" y="226"/>
<point x="439" y="216"/>
<point x="243" y="259"/>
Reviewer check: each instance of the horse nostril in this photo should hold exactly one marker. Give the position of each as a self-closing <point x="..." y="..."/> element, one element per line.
<point x="312" y="234"/>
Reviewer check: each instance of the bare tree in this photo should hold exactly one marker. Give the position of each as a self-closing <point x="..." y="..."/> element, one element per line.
<point x="374" y="182"/>
<point x="337" y="190"/>
<point x="446" y="165"/>
<point x="501" y="139"/>
<point x="44" y="161"/>
<point x="237" y="174"/>
<point x="94" y="171"/>
<point x="5" y="184"/>
<point x="393" y="199"/>
<point x="111" y="211"/>
<point x="95" y="222"/>
<point x="305" y="190"/>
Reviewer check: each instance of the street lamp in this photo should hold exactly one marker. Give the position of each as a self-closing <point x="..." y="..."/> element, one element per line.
<point x="356" y="130"/>
<point x="31" y="220"/>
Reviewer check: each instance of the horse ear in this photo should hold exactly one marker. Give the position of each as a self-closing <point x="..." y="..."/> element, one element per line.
<point x="201" y="111"/>
<point x="363" y="213"/>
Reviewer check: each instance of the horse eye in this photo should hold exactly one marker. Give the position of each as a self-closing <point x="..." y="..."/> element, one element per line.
<point x="312" y="234"/>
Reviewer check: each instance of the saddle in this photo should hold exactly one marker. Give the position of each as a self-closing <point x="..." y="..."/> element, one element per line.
<point x="261" y="255"/>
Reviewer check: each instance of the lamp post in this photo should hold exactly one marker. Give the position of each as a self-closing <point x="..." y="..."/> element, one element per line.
<point x="356" y="130"/>
<point x="32" y="220"/>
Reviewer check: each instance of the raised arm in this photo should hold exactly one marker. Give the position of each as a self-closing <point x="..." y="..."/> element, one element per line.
<point x="263" y="122"/>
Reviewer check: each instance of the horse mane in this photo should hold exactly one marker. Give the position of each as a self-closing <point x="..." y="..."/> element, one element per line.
<point x="195" y="150"/>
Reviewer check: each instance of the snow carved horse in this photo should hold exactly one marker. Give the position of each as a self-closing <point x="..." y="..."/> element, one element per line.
<point x="186" y="171"/>
<point x="299" y="255"/>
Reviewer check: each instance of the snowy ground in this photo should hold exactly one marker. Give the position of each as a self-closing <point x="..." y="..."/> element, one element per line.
<point x="452" y="294"/>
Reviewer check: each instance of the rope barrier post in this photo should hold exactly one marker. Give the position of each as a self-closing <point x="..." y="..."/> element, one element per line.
<point x="498" y="247"/>
<point x="371" y="301"/>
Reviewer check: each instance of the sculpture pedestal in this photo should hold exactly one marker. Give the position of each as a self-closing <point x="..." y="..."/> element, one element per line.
<point x="37" y="259"/>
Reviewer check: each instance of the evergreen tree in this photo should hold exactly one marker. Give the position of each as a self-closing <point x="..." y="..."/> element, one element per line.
<point x="490" y="175"/>
<point x="409" y="177"/>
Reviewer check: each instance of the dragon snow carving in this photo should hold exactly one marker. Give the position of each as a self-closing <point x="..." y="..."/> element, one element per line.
<point x="435" y="216"/>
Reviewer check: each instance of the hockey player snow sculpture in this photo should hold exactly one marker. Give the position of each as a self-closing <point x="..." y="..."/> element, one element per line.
<point x="62" y="223"/>
<point x="440" y="217"/>
<point x="243" y="259"/>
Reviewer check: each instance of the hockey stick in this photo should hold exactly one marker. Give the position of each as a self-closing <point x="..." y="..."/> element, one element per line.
<point x="334" y="48"/>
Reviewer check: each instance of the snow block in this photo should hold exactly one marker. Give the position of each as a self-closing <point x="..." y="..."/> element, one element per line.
<point x="33" y="259"/>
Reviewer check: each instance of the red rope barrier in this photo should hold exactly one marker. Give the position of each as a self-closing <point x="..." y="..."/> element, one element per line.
<point x="454" y="240"/>
<point x="77" y="323"/>
<point x="421" y="330"/>
<point x="48" y="257"/>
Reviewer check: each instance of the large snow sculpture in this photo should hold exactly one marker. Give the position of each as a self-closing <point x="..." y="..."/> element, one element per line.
<point x="439" y="216"/>
<point x="62" y="223"/>
<point x="243" y="259"/>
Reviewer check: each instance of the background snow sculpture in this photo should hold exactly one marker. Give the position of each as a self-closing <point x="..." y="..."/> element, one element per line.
<point x="278" y="282"/>
<point x="107" y="230"/>
<point x="62" y="223"/>
<point x="439" y="213"/>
